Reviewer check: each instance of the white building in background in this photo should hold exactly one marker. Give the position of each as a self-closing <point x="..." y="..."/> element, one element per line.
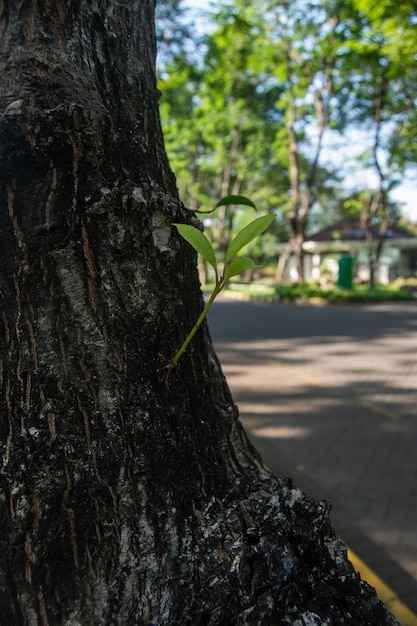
<point x="323" y="251"/>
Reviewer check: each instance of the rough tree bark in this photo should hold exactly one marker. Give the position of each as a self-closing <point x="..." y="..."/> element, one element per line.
<point x="121" y="501"/>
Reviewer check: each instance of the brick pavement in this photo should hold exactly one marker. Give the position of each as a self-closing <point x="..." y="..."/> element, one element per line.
<point x="337" y="411"/>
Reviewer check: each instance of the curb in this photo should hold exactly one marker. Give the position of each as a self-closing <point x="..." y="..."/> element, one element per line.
<point x="390" y="598"/>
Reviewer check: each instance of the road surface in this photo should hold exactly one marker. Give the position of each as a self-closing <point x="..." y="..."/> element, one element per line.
<point x="329" y="397"/>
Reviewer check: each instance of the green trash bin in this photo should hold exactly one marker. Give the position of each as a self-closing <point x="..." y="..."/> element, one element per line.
<point x="345" y="279"/>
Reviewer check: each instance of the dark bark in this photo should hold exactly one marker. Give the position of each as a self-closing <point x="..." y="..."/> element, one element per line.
<point x="122" y="501"/>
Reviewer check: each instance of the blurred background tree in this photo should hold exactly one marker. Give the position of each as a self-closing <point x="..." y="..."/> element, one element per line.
<point x="299" y="105"/>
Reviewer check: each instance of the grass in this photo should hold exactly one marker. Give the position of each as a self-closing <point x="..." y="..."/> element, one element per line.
<point x="308" y="291"/>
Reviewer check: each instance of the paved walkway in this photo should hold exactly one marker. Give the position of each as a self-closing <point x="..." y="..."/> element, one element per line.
<point x="329" y="397"/>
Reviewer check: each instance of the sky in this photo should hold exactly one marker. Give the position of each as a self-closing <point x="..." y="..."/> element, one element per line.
<point x="406" y="193"/>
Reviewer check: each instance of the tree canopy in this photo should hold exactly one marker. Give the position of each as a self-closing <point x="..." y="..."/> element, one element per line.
<point x="277" y="89"/>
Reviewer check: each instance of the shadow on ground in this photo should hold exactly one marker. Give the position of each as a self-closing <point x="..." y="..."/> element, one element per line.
<point x="328" y="396"/>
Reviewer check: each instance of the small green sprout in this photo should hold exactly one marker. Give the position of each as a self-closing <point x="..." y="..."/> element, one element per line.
<point x="233" y="264"/>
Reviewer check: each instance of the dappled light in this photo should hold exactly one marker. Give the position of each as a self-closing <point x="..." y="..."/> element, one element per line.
<point x="329" y="397"/>
<point x="280" y="432"/>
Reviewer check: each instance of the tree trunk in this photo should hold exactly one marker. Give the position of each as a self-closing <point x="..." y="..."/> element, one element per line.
<point x="282" y="262"/>
<point x="123" y="501"/>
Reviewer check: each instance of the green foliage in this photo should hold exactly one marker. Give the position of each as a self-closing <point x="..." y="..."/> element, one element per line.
<point x="239" y="265"/>
<point x="383" y="47"/>
<point x="233" y="264"/>
<point x="360" y="293"/>
<point x="407" y="226"/>
<point x="232" y="199"/>
<point x="219" y="121"/>
<point x="247" y="234"/>
<point x="199" y="242"/>
<point x="264" y="80"/>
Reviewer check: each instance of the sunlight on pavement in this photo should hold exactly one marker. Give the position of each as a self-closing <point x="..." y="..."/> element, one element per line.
<point x="281" y="432"/>
<point x="314" y="381"/>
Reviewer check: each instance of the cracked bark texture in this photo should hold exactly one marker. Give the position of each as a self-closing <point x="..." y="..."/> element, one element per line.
<point x="122" y="501"/>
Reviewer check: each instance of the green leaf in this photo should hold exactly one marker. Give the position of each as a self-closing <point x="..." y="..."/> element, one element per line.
<point x="247" y="234"/>
<point x="242" y="200"/>
<point x="198" y="241"/>
<point x="240" y="264"/>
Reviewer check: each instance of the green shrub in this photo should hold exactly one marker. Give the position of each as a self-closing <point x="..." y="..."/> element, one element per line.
<point x="360" y="293"/>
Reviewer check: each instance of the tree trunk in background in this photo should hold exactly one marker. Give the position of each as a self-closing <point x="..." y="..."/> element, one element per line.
<point x="122" y="501"/>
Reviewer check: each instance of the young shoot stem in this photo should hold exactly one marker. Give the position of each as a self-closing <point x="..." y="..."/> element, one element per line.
<point x="220" y="283"/>
<point x="233" y="265"/>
